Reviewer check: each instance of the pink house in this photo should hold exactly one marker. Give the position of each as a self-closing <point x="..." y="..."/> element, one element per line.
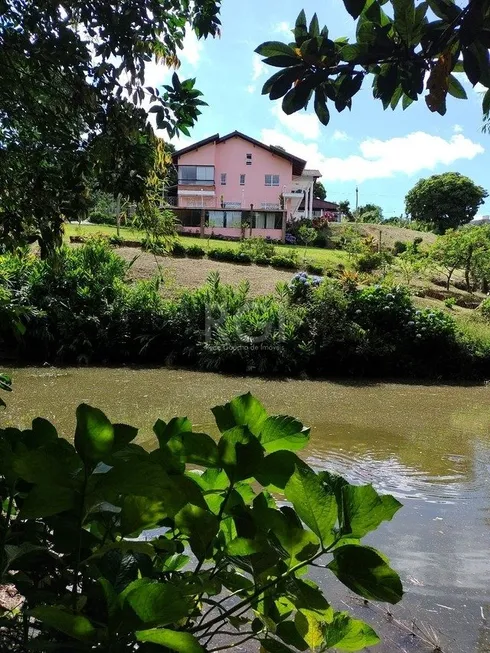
<point x="235" y="186"/>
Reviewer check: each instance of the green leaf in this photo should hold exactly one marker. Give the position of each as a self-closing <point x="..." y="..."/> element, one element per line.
<point x="315" y="506"/>
<point x="240" y="453"/>
<point x="176" y="426"/>
<point x="139" y="513"/>
<point x="297" y="98"/>
<point x="43" y="431"/>
<point x="363" y="510"/>
<point x="245" y="410"/>
<point x="274" y="646"/>
<point x="404" y="23"/>
<point x="171" y="639"/>
<point x="201" y="526"/>
<point x="355" y="7"/>
<point x="242" y="546"/>
<point x="94" y="434"/>
<point x="320" y="105"/>
<point x="456" y="89"/>
<point x="471" y="66"/>
<point x="486" y="103"/>
<point x="157" y="604"/>
<point x="281" y="61"/>
<point x="314" y="27"/>
<point x="365" y="572"/>
<point x="194" y="448"/>
<point x="72" y="625"/>
<point x="347" y="634"/>
<point x="47" y="500"/>
<point x="123" y="435"/>
<point x="281" y="432"/>
<point x="275" y="48"/>
<point x="300" y="29"/>
<point x="277" y="468"/>
<point x="289" y="634"/>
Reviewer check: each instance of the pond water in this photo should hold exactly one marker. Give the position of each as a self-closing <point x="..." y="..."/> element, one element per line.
<point x="428" y="445"/>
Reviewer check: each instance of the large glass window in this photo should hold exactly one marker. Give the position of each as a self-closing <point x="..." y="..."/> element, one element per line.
<point x="272" y="180"/>
<point x="196" y="175"/>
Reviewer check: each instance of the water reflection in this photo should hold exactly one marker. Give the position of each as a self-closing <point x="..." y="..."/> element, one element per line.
<point x="428" y="445"/>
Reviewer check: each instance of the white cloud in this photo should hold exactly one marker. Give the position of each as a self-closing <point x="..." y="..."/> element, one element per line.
<point x="305" y="124"/>
<point x="259" y="68"/>
<point x="192" y="48"/>
<point x="340" y="135"/>
<point x="283" y="28"/>
<point x="457" y="129"/>
<point x="379" y="159"/>
<point x="251" y="88"/>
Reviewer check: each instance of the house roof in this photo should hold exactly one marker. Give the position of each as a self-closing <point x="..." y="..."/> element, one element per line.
<point x="297" y="163"/>
<point x="319" y="205"/>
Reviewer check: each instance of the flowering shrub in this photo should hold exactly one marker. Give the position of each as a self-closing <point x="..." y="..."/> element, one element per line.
<point x="302" y="285"/>
<point x="290" y="239"/>
<point x="379" y="307"/>
<point x="432" y="326"/>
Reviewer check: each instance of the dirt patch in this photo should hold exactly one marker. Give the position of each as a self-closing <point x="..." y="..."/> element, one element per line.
<point x="191" y="273"/>
<point x="389" y="234"/>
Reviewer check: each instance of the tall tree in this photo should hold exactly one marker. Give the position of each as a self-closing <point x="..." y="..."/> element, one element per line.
<point x="403" y="51"/>
<point x="370" y="213"/>
<point x="66" y="69"/>
<point x="444" y="201"/>
<point x="319" y="191"/>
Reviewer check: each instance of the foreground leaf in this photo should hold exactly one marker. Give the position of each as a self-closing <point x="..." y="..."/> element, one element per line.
<point x="94" y="434"/>
<point x="171" y="639"/>
<point x="72" y="625"/>
<point x="157" y="604"/>
<point x="314" y="505"/>
<point x="365" y="572"/>
<point x="283" y="433"/>
<point x="241" y="411"/>
<point x="347" y="634"/>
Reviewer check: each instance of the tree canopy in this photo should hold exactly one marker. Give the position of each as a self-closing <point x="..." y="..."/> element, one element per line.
<point x="319" y="191"/>
<point x="370" y="213"/>
<point x="405" y="49"/>
<point x="72" y="84"/>
<point x="444" y="201"/>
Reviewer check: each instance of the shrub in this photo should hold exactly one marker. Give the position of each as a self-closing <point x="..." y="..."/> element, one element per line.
<point x="243" y="257"/>
<point x="139" y="548"/>
<point x="320" y="241"/>
<point x="262" y="260"/>
<point x="301" y="286"/>
<point x="369" y="262"/>
<point x="290" y="239"/>
<point x="450" y="302"/>
<point x="116" y="241"/>
<point x="285" y="262"/>
<point x="315" y="268"/>
<point x="399" y="247"/>
<point x="219" y="254"/>
<point x="195" y="251"/>
<point x="257" y="247"/>
<point x="485" y="308"/>
<point x="100" y="217"/>
<point x="178" y="250"/>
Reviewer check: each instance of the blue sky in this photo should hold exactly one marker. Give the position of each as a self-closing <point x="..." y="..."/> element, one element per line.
<point x="384" y="153"/>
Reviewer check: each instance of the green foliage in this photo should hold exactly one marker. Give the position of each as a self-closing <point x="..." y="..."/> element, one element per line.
<point x="65" y="122"/>
<point x="100" y="217"/>
<point x="285" y="262"/>
<point x="399" y="247"/>
<point x="5" y="386"/>
<point x="395" y="48"/>
<point x="83" y="309"/>
<point x="137" y="548"/>
<point x="314" y="268"/>
<point x="195" y="251"/>
<point x="450" y="302"/>
<point x="257" y="248"/>
<point x="229" y="255"/>
<point x="178" y="249"/>
<point x="319" y="191"/>
<point x="369" y="213"/>
<point x="485" y="309"/>
<point x="444" y="201"/>
<point x="369" y="261"/>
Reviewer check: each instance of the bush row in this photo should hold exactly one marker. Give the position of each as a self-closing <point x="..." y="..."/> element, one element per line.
<point x="78" y="308"/>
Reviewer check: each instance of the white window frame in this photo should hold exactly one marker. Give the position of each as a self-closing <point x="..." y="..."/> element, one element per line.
<point x="223" y="179"/>
<point x="242" y="180"/>
<point x="248" y="158"/>
<point x="272" y="180"/>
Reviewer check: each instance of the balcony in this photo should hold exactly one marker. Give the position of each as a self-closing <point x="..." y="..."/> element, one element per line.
<point x="196" y="176"/>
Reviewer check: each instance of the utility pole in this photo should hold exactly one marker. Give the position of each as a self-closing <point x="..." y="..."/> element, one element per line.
<point x="357" y="198"/>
